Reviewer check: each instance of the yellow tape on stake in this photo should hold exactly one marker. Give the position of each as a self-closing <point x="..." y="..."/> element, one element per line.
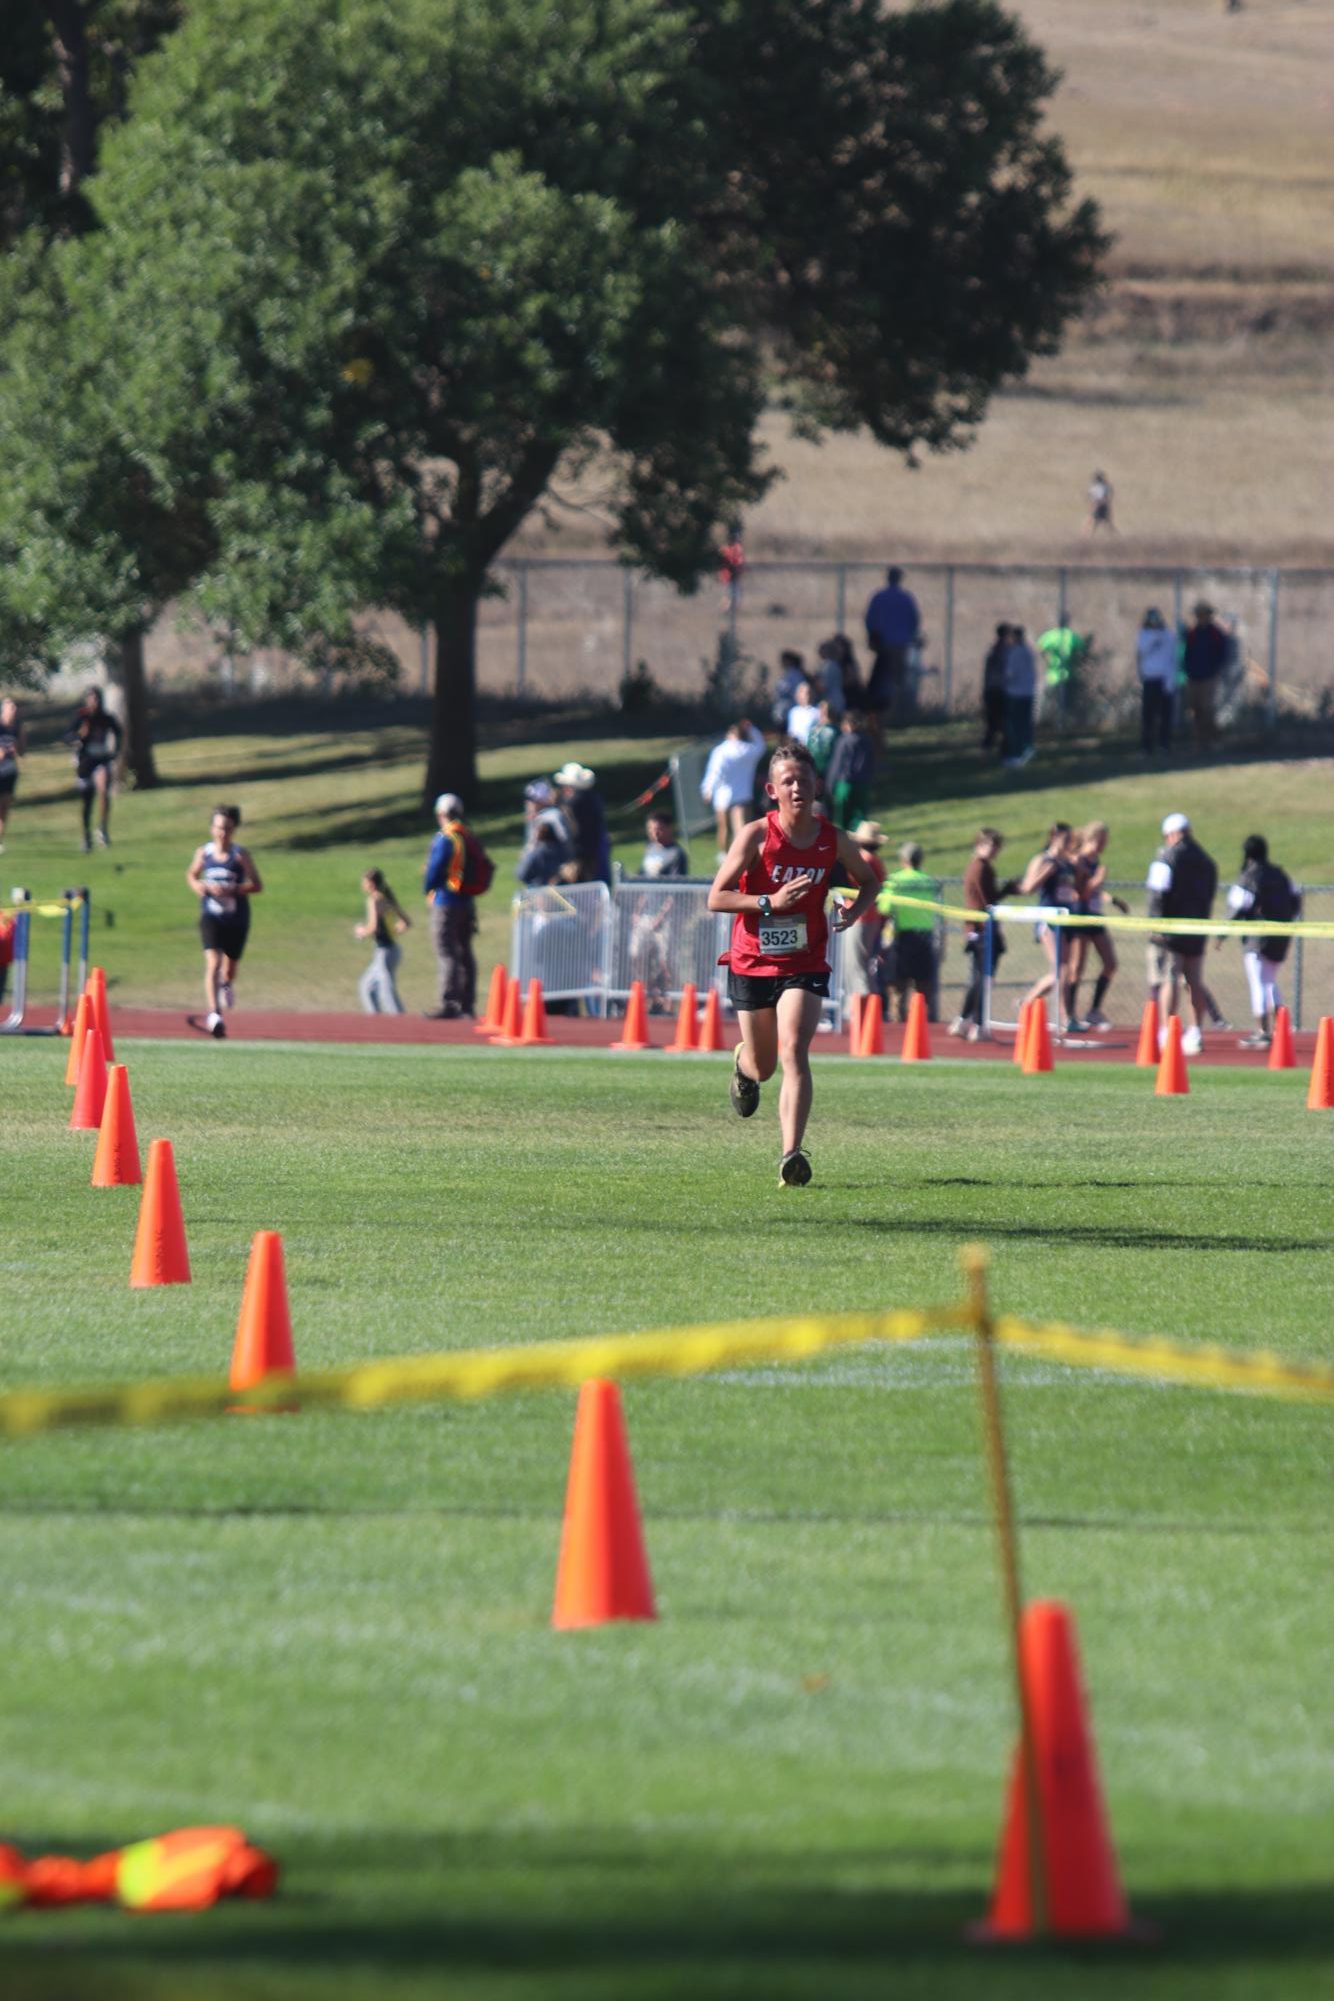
<point x="1168" y="1361"/>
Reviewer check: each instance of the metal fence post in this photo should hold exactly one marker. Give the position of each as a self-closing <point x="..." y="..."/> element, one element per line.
<point x="948" y="664"/>
<point x="628" y="624"/>
<point x="841" y="600"/>
<point x="1271" y="695"/>
<point x="521" y="664"/>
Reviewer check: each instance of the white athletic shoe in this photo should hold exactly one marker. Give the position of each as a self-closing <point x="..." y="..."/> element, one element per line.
<point x="1192" y="1042"/>
<point x="1097" y="1019"/>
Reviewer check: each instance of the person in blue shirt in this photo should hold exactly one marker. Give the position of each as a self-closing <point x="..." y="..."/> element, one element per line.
<point x="893" y="622"/>
<point x="453" y="913"/>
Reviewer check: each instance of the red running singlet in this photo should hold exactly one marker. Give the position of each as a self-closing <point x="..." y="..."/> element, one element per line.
<point x="791" y="941"/>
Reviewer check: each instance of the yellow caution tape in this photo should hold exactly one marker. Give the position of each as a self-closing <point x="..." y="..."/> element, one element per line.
<point x="1200" y="927"/>
<point x="688" y="1351"/>
<point x="47" y="909"/>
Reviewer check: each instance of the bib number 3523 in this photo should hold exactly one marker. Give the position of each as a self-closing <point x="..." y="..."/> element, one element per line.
<point x="779" y="935"/>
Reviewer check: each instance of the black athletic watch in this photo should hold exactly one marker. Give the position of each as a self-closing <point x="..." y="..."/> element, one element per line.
<point x="766" y="908"/>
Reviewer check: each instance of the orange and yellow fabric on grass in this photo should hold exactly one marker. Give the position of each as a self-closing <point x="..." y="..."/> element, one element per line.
<point x="186" y="1870"/>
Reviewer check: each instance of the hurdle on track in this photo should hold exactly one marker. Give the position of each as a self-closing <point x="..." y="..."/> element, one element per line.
<point x="26" y="911"/>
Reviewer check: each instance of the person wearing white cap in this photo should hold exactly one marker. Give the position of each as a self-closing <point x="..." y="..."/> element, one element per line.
<point x="586" y="818"/>
<point x="450" y="890"/>
<point x="1182" y="882"/>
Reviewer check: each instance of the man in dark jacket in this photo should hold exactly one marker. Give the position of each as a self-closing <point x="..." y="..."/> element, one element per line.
<point x="1203" y="660"/>
<point x="1181" y="882"/>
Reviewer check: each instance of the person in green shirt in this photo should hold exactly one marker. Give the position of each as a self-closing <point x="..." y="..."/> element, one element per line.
<point x="1063" y="649"/>
<point x="914" y="964"/>
<point x="820" y="743"/>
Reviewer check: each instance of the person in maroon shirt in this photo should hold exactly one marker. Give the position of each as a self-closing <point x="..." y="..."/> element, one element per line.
<point x="774" y="881"/>
<point x="980" y="891"/>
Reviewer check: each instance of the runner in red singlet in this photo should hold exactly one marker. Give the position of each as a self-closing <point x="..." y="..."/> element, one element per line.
<point x="775" y="880"/>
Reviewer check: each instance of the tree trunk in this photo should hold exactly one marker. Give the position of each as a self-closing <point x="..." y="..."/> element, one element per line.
<point x="451" y="764"/>
<point x="78" y="152"/>
<point x="127" y="660"/>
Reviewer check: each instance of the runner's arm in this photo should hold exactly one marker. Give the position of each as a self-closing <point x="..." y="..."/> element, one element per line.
<point x="250" y="885"/>
<point x="724" y="896"/>
<point x="194" y="874"/>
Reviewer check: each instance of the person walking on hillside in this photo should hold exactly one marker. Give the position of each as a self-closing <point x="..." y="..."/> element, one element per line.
<point x="1156" y="665"/>
<point x="386" y="920"/>
<point x="774" y="883"/>
<point x="1203" y="659"/>
<point x="1100" y="505"/>
<point x="1181" y="882"/>
<point x="1263" y="890"/>
<point x="453" y="911"/>
<point x="224" y="878"/>
<point x="893" y="622"/>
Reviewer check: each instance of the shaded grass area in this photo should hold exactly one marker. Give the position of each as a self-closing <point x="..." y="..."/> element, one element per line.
<point x="334" y="1628"/>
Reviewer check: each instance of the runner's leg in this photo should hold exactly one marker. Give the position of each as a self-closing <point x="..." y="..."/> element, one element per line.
<point x="798" y="1017"/>
<point x="759" y="1042"/>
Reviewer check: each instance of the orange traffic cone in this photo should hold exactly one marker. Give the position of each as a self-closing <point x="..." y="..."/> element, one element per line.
<point x="916" y="1038"/>
<point x="493" y="1019"/>
<point x="264" y="1331"/>
<point x="1172" y="1080"/>
<point x="160" y="1254"/>
<point x="511" y="1026"/>
<point x="636" y="1021"/>
<point x="116" y="1162"/>
<point x="1281" y="1053"/>
<point x="603" y="1572"/>
<point x="1037" y="1051"/>
<point x="534" y="1018"/>
<point x="856" y="1011"/>
<point x="1146" y="1055"/>
<point x="1320" y="1096"/>
<point x="873" y="1027"/>
<point x="90" y="1094"/>
<point x="96" y="990"/>
<point x="1021" y="1034"/>
<point x="83" y="1021"/>
<point x="686" y="1040"/>
<point x="710" y="1039"/>
<point x="1081" y="1887"/>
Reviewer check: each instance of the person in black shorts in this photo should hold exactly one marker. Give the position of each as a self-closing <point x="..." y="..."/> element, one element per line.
<point x="96" y="737"/>
<point x="224" y="878"/>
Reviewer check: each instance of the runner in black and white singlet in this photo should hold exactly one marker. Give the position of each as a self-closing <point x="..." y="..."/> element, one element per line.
<point x="224" y="878"/>
<point x="95" y="737"/>
<point x="1050" y="876"/>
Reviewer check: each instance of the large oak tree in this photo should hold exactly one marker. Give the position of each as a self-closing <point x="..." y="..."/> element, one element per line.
<point x="366" y="277"/>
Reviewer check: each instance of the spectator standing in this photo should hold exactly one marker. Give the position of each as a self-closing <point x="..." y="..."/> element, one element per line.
<point x="1021" y="686"/>
<point x="386" y="921"/>
<point x="728" y="784"/>
<point x="1181" y="882"/>
<point x="914" y="963"/>
<point x="1156" y="666"/>
<point x="829" y="690"/>
<point x="980" y="891"/>
<point x="893" y="623"/>
<point x="1203" y="659"/>
<point x="791" y="674"/>
<point x="854" y="694"/>
<point x="821" y="740"/>
<point x="804" y="713"/>
<point x="586" y="818"/>
<point x="864" y="942"/>
<point x="1263" y="890"/>
<point x="13" y="745"/>
<point x="446" y="883"/>
<point x="993" y="690"/>
<point x="1100" y="505"/>
<point x="95" y="736"/>
<point x="665" y="860"/>
<point x="851" y="770"/>
<point x="543" y="857"/>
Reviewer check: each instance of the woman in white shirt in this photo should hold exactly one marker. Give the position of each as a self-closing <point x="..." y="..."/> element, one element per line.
<point x="729" y="779"/>
<point x="1156" y="665"/>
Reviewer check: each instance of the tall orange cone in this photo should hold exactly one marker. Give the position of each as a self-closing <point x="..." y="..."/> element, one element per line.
<point x="160" y="1253"/>
<point x="1021" y="1035"/>
<point x="635" y="1035"/>
<point x="1320" y="1096"/>
<point x="710" y="1039"/>
<point x="1282" y="1056"/>
<point x="1082" y="1887"/>
<point x="116" y="1162"/>
<point x="1037" y="1051"/>
<point x="96" y="990"/>
<point x="917" y="1037"/>
<point x="873" y="1027"/>
<point x="90" y="1093"/>
<point x="603" y="1572"/>
<point x="1146" y="1055"/>
<point x="493" y="1019"/>
<point x="686" y="1040"/>
<point x="263" y="1345"/>
<point x="534" y="1019"/>
<point x="856" y="1015"/>
<point x="1172" y="1080"/>
<point x="83" y="1021"/>
<point x="511" y="1026"/>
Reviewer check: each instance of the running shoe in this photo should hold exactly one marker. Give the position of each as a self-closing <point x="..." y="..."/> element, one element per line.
<point x="1257" y="1041"/>
<point x="103" y="838"/>
<point x="1192" y="1042"/>
<point x="226" y="994"/>
<point x="216" y="1027"/>
<point x="1097" y="1019"/>
<point x="744" y="1092"/>
<point x="794" y="1170"/>
<point x="1074" y="1026"/>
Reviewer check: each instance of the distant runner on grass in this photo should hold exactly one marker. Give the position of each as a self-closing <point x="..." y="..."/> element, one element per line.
<point x="774" y="881"/>
<point x="224" y="878"/>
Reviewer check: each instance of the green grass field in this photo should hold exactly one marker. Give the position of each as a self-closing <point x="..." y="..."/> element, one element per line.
<point x="334" y="1628"/>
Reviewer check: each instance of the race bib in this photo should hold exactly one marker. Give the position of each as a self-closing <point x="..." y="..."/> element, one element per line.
<point x="782" y="934"/>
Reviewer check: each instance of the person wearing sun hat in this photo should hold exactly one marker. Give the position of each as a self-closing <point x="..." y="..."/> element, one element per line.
<point x="860" y="976"/>
<point x="586" y="818"/>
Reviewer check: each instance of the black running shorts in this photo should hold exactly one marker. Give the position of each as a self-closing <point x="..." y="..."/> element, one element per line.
<point x="749" y="992"/>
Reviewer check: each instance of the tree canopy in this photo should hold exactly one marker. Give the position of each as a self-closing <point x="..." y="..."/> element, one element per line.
<point x="365" y="278"/>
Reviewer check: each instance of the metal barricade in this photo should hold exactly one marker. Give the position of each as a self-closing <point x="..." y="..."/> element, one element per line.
<point x="561" y="935"/>
<point x="694" y="815"/>
<point x="664" y="934"/>
<point x="25" y="912"/>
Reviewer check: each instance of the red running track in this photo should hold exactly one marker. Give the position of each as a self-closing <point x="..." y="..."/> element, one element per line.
<point x="581" y="1032"/>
